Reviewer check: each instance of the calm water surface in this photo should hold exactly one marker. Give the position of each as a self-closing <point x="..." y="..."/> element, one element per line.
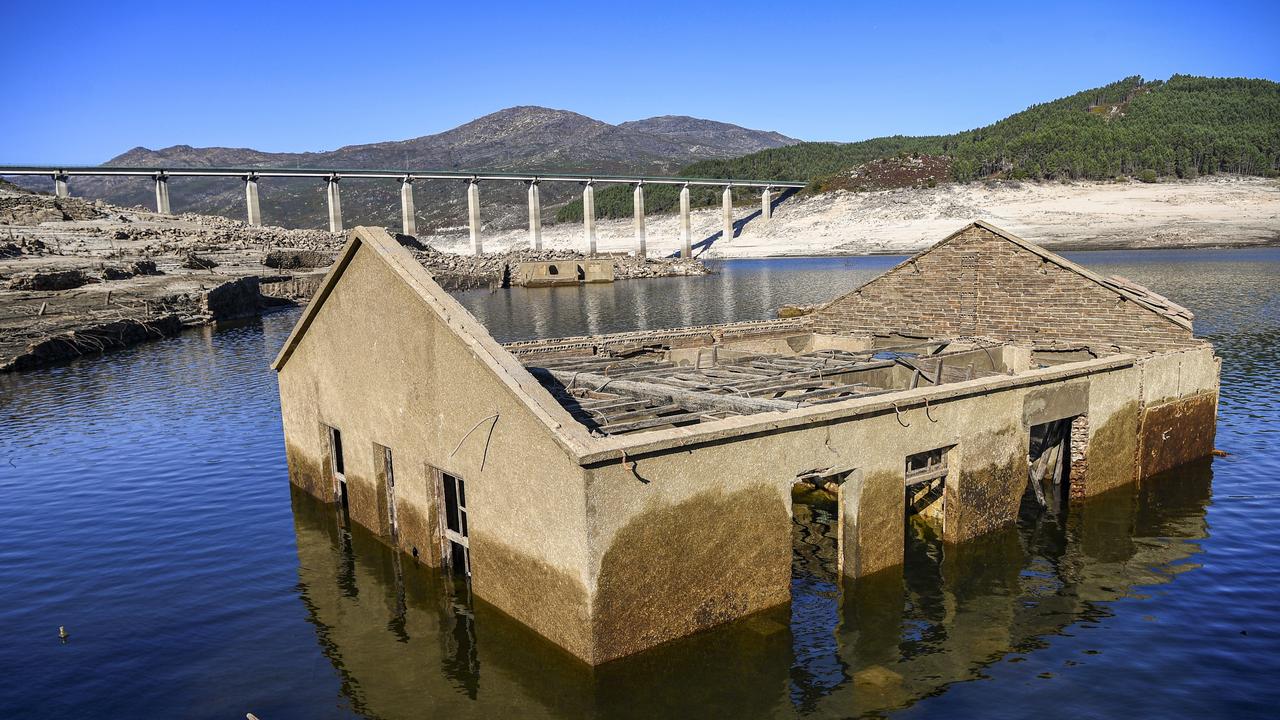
<point x="148" y="511"/>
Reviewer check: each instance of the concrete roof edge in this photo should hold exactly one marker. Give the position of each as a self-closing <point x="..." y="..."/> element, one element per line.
<point x="566" y="431"/>
<point x="613" y="448"/>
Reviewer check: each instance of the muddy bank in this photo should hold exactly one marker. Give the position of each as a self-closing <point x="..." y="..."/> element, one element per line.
<point x="80" y="277"/>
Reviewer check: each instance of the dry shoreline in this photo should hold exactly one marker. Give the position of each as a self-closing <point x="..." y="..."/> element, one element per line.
<point x="1224" y="211"/>
<point x="71" y="282"/>
<point x="80" y="277"/>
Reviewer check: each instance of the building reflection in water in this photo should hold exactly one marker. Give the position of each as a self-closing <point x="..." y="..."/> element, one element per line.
<point x="406" y="641"/>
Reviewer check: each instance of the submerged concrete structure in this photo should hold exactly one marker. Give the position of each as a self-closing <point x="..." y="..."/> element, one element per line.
<point x="616" y="492"/>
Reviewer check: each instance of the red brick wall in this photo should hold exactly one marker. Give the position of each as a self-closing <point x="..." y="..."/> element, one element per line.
<point x="982" y="284"/>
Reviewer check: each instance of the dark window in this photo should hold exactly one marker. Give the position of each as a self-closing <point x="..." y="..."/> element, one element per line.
<point x="926" y="466"/>
<point x="455" y="520"/>
<point x="389" y="473"/>
<point x="553" y="270"/>
<point x="451" y="504"/>
<point x="335" y="440"/>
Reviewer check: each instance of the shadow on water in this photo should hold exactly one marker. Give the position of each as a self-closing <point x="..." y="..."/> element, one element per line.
<point x="409" y="642"/>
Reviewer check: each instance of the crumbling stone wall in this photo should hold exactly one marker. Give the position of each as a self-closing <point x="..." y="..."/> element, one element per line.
<point x="979" y="283"/>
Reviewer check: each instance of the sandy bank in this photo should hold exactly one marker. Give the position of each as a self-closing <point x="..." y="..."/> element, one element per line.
<point x="1222" y="211"/>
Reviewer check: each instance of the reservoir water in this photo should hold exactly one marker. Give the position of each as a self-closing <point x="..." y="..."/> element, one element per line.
<point x="147" y="510"/>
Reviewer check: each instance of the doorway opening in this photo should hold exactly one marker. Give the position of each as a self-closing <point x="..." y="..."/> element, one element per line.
<point x="926" y="482"/>
<point x="339" y="468"/>
<point x="815" y="526"/>
<point x="388" y="478"/>
<point x="457" y="545"/>
<point x="1049" y="466"/>
<point x="816" y="518"/>
<point x="926" y="504"/>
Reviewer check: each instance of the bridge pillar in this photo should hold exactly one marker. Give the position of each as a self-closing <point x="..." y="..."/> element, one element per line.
<point x="252" y="210"/>
<point x="589" y="216"/>
<point x="766" y="204"/>
<point x="686" y="229"/>
<point x="473" y="216"/>
<point x="162" y="194"/>
<point x="726" y="207"/>
<point x="637" y="209"/>
<point x="60" y="188"/>
<point x="408" y="222"/>
<point x="335" y="204"/>
<point x="535" y="216"/>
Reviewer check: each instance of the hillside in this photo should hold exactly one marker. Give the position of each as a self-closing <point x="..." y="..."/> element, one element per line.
<point x="1185" y="127"/>
<point x="518" y="138"/>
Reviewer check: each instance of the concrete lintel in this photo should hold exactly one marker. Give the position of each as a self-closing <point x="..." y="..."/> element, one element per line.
<point x="1055" y="403"/>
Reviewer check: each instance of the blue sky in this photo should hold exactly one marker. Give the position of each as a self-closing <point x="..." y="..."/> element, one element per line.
<point x="86" y="81"/>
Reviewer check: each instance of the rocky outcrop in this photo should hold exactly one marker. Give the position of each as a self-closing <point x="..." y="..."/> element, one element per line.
<point x="52" y="280"/>
<point x="91" y="339"/>
<point x="233" y="300"/>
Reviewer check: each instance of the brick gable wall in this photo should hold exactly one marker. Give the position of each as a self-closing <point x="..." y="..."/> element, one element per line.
<point x="982" y="284"/>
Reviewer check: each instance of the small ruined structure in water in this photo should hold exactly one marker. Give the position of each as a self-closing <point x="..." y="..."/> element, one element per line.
<point x="620" y="491"/>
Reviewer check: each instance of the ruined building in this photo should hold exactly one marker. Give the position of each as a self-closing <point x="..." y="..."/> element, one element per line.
<point x="620" y="491"/>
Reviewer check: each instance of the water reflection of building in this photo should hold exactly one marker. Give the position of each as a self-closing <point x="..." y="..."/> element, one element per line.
<point x="407" y="644"/>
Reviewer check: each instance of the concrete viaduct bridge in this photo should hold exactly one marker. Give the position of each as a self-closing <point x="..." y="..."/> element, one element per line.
<point x="331" y="177"/>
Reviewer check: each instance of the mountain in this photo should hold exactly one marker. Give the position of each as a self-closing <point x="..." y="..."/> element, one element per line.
<point x="515" y="139"/>
<point x="1185" y="127"/>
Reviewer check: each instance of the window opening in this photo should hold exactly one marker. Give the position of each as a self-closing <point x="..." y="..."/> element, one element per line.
<point x="389" y="473"/>
<point x="457" y="543"/>
<point x="926" y="475"/>
<point x="339" y="467"/>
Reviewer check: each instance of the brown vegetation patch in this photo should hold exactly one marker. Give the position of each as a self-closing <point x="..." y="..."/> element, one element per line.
<point x="549" y="600"/>
<point x="677" y="569"/>
<point x="1113" y="451"/>
<point x="902" y="171"/>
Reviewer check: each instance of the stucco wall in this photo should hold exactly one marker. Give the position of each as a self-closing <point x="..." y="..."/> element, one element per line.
<point x="701" y="536"/>
<point x="379" y="365"/>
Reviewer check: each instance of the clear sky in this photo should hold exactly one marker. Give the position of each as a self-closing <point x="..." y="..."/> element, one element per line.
<point x="85" y="81"/>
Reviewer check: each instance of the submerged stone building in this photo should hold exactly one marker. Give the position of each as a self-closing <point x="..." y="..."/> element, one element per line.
<point x="619" y="491"/>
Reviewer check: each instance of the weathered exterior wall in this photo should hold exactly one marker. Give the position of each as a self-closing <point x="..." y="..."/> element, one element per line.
<point x="701" y="536"/>
<point x="1180" y="409"/>
<point x="979" y="283"/>
<point x="380" y="366"/>
<point x="693" y="528"/>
